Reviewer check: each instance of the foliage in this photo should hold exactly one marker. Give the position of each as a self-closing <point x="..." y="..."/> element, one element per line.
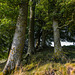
<point x="8" y="16"/>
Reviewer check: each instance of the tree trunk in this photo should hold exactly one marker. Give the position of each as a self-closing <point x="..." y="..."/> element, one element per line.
<point x="31" y="29"/>
<point x="57" y="44"/>
<point x="39" y="33"/>
<point x="18" y="40"/>
<point x="43" y="38"/>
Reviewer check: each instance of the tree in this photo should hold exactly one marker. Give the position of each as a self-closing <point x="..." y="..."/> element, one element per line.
<point x="43" y="38"/>
<point x="31" y="27"/>
<point x="53" y="13"/>
<point x="57" y="44"/>
<point x="15" y="54"/>
<point x="59" y="13"/>
<point x="38" y="36"/>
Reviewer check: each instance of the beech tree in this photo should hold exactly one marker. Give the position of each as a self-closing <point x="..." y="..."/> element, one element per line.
<point x="58" y="12"/>
<point x="57" y="44"/>
<point x="15" y="54"/>
<point x="53" y="13"/>
<point x="31" y="27"/>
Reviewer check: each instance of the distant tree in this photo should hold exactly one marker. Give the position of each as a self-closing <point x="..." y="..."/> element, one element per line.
<point x="57" y="44"/>
<point x="58" y="12"/>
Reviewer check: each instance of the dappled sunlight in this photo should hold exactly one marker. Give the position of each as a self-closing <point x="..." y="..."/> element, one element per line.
<point x="65" y="43"/>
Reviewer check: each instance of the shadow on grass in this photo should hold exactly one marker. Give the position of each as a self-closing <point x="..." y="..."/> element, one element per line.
<point x="2" y="65"/>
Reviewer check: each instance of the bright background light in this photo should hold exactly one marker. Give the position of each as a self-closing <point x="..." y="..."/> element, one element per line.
<point x="64" y="43"/>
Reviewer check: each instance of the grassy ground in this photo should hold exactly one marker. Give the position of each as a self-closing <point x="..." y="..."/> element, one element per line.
<point x="41" y="63"/>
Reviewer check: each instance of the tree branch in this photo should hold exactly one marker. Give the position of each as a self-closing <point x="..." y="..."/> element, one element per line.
<point x="68" y="22"/>
<point x="65" y="24"/>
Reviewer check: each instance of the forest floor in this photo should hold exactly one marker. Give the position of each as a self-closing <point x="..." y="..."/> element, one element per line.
<point x="41" y="64"/>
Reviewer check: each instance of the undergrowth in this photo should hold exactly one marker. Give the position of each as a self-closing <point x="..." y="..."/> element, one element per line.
<point x="41" y="63"/>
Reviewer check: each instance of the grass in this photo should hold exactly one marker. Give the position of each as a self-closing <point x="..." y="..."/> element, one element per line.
<point x="47" y="69"/>
<point x="41" y="64"/>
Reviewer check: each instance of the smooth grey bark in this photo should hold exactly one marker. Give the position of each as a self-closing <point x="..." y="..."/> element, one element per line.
<point x="31" y="28"/>
<point x="15" y="54"/>
<point x="57" y="44"/>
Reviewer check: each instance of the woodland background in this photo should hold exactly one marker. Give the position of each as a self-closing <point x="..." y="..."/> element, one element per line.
<point x="27" y="29"/>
